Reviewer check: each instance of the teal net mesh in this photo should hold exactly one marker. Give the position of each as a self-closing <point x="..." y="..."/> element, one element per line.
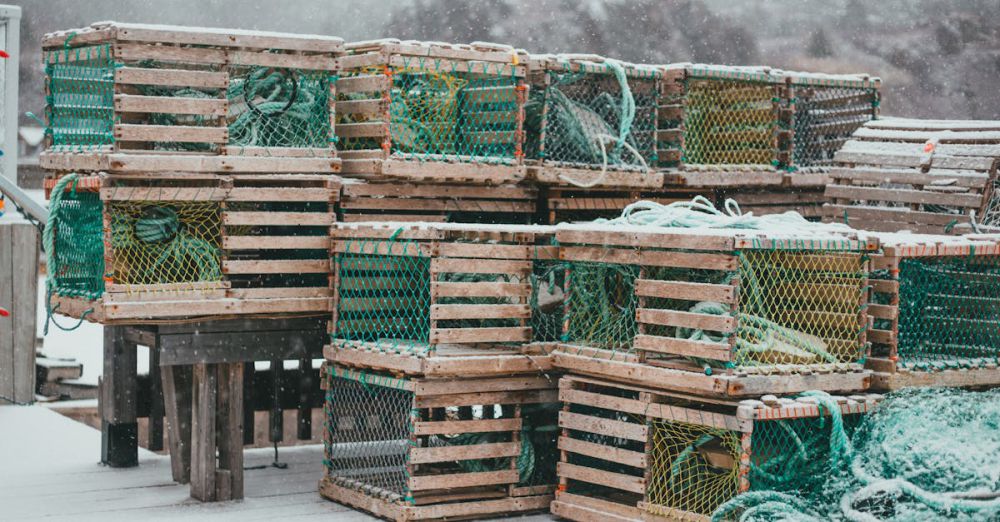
<point x="601" y="304"/>
<point x="77" y="264"/>
<point x="948" y="309"/>
<point x="825" y="117"/>
<point x="80" y="100"/>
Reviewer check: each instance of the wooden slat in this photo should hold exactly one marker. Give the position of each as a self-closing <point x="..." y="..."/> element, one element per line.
<point x="684" y="347"/>
<point x="601" y="477"/>
<point x="275" y="242"/>
<point x="609" y="453"/>
<point x="282" y="266"/>
<point x="465" y="426"/>
<point x="278" y="218"/>
<point x="479" y="250"/>
<point x="441" y="312"/>
<point x="465" y="452"/>
<point x="170" y="105"/>
<point x="462" y="480"/>
<point x="601" y="426"/>
<point x="480" y="335"/>
<point x="297" y="195"/>
<point x="171" y="78"/>
<point x="479" y="266"/>
<point x="685" y="291"/>
<point x="717" y="323"/>
<point x="477" y="289"/>
<point x="904" y="196"/>
<point x="170" y="133"/>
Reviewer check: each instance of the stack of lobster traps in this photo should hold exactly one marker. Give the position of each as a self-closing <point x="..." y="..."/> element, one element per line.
<point x="925" y="176"/>
<point x="441" y="398"/>
<point x="191" y="171"/>
<point x="704" y="363"/>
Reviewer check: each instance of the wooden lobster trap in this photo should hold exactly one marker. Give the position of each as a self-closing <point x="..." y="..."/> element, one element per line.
<point x="824" y="111"/>
<point x="154" y="98"/>
<point x="925" y="176"/>
<point x="935" y="301"/>
<point x="444" y="299"/>
<point x="715" y="312"/>
<point x="431" y="111"/>
<point x="592" y="122"/>
<point x="437" y="203"/>
<point x="722" y="125"/>
<point x="634" y="453"/>
<point x="416" y="449"/>
<point x="129" y="249"/>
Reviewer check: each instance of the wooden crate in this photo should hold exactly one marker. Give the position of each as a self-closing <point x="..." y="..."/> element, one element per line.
<point x="824" y="111"/>
<point x="700" y="106"/>
<point x="156" y="99"/>
<point x="934" y="301"/>
<point x="623" y="447"/>
<point x="569" y="205"/>
<point x="715" y="312"/>
<point x="252" y="244"/>
<point x="924" y="176"/>
<point x="431" y="111"/>
<point x="441" y="299"/>
<point x="437" y="203"/>
<point x="571" y="94"/>
<point x="417" y="449"/>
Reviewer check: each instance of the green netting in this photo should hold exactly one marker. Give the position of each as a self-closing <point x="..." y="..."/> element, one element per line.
<point x="729" y="122"/>
<point x="924" y="454"/>
<point x="696" y="468"/>
<point x="601" y="303"/>
<point x="588" y="119"/>
<point x="383" y="295"/>
<point x="441" y="111"/>
<point x="548" y="294"/>
<point x="948" y="311"/>
<point x="824" y="118"/>
<point x="165" y="242"/>
<point x="277" y="107"/>
<point x="369" y="431"/>
<point x="76" y="262"/>
<point x="80" y="100"/>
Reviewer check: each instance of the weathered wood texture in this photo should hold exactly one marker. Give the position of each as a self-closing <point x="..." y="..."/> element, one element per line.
<point x="18" y="297"/>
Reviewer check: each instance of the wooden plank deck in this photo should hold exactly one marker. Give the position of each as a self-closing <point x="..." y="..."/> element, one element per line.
<point x="51" y="470"/>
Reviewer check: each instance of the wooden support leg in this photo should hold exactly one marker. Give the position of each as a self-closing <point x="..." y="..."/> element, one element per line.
<point x="156" y="401"/>
<point x="217" y="432"/>
<point x="119" y="427"/>
<point x="177" y="403"/>
<point x="277" y="420"/>
<point x="249" y="403"/>
<point x="203" y="412"/>
<point x="306" y="384"/>
<point x="229" y="432"/>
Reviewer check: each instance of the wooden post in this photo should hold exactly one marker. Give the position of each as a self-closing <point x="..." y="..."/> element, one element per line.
<point x="229" y="432"/>
<point x="203" y="431"/>
<point x="277" y="421"/>
<point x="177" y="403"/>
<point x="249" y="403"/>
<point x="155" y="429"/>
<point x="18" y="295"/>
<point x="306" y="385"/>
<point x="119" y="427"/>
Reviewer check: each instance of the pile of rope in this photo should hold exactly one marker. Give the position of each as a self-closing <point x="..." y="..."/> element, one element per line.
<point x="924" y="454"/>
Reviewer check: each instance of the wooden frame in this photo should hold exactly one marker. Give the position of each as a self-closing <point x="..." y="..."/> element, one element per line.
<point x="417" y="274"/>
<point x="893" y="370"/>
<point x="264" y="222"/>
<point x="431" y="483"/>
<point x="551" y="170"/>
<point x="657" y="354"/>
<point x="567" y="205"/>
<point x="367" y="97"/>
<point x="151" y="63"/>
<point x="610" y="424"/>
<point x="925" y="176"/>
<point x="467" y="203"/>
<point x="674" y="113"/>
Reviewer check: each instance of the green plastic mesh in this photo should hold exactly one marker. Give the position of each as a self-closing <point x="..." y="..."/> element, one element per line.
<point x="77" y="264"/>
<point x="695" y="468"/>
<point x="948" y="311"/>
<point x="468" y="112"/>
<point x="368" y="431"/>
<point x="824" y="118"/>
<point x="383" y="296"/>
<point x="578" y="114"/>
<point x="165" y="242"/>
<point x="80" y="100"/>
<point x="601" y="304"/>
<point x="729" y="122"/>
